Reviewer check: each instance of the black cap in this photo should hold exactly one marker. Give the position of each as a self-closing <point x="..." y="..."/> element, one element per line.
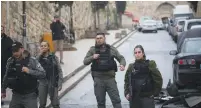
<point x="16" y="46"/>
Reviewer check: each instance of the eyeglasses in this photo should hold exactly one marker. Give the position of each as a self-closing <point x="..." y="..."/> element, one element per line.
<point x="139" y="52"/>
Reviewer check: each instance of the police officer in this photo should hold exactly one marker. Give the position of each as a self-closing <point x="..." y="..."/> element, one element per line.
<point x="22" y="72"/>
<point x="103" y="70"/>
<point x="52" y="83"/>
<point x="6" y="44"/>
<point x="143" y="81"/>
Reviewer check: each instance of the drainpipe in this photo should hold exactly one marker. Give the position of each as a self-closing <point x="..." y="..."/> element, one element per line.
<point x="7" y="17"/>
<point x="24" y="24"/>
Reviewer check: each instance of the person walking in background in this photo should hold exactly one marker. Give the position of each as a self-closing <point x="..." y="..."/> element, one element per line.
<point x="58" y="28"/>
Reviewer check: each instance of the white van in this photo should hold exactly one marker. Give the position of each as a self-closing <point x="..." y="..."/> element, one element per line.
<point x="183" y="11"/>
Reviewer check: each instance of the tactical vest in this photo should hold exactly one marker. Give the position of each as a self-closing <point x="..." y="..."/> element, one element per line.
<point x="21" y="82"/>
<point x="105" y="62"/>
<point x="141" y="77"/>
<point x="51" y="68"/>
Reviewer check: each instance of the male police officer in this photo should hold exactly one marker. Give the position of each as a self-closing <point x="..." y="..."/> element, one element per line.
<point x="22" y="72"/>
<point x="103" y="70"/>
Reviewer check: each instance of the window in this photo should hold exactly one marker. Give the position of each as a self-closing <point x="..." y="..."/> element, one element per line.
<point x="193" y="24"/>
<point x="192" y="46"/>
<point x="181" y="22"/>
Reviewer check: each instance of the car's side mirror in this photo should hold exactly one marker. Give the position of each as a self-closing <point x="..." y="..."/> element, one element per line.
<point x="173" y="52"/>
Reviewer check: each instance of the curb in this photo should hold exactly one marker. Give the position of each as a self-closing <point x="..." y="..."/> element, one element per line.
<point x="75" y="83"/>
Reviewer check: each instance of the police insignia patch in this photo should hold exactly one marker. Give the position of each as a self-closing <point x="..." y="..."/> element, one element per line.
<point x="38" y="65"/>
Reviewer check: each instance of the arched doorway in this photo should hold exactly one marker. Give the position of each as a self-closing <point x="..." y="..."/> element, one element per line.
<point x="164" y="11"/>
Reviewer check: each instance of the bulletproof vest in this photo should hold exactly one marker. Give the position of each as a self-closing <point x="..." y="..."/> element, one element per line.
<point x="51" y="68"/>
<point x="105" y="62"/>
<point x="141" y="77"/>
<point x="21" y="82"/>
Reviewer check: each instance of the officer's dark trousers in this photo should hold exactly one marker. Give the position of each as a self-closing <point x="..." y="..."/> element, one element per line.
<point x="24" y="101"/>
<point x="143" y="102"/>
<point x="44" y="90"/>
<point x="101" y="86"/>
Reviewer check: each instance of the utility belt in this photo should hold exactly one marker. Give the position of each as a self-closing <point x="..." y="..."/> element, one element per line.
<point x="26" y="92"/>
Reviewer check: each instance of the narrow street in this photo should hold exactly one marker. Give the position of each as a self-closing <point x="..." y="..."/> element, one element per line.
<point x="157" y="47"/>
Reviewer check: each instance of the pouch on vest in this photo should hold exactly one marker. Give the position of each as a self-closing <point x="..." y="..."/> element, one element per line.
<point x="141" y="79"/>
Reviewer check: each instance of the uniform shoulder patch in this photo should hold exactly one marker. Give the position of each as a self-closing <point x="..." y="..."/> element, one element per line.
<point x="38" y="65"/>
<point x="33" y="58"/>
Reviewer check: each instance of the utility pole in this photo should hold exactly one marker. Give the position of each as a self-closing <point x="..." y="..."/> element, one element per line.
<point x="108" y="16"/>
<point x="7" y="17"/>
<point x="24" y="24"/>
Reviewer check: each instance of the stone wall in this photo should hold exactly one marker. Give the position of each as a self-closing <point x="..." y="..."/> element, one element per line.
<point x="149" y="8"/>
<point x="40" y="14"/>
<point x="198" y="14"/>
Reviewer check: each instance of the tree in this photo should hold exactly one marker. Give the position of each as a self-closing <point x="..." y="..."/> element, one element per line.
<point x="120" y="6"/>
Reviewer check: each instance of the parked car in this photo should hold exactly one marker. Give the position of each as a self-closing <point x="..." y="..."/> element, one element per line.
<point x="176" y="27"/>
<point x="191" y="22"/>
<point x="187" y="64"/>
<point x="160" y="25"/>
<point x="149" y="25"/>
<point x="193" y="33"/>
<point x="195" y="26"/>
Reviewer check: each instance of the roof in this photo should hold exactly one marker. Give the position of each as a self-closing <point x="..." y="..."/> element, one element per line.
<point x="192" y="39"/>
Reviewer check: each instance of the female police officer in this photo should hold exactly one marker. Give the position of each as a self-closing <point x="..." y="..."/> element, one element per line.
<point x="142" y="81"/>
<point x="52" y="83"/>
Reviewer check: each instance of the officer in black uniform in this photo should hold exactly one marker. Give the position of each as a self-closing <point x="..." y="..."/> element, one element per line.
<point x="22" y="73"/>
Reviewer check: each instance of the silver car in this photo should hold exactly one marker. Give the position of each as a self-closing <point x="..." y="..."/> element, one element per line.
<point x="176" y="28"/>
<point x="149" y="25"/>
<point x="191" y="22"/>
<point x="160" y="25"/>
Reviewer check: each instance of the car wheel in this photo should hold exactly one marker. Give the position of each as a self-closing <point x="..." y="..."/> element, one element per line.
<point x="156" y="31"/>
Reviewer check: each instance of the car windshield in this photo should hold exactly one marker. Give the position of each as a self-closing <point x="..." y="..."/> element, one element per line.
<point x="181" y="22"/>
<point x="193" y="24"/>
<point x="149" y="22"/>
<point x="189" y="15"/>
<point x="192" y="46"/>
<point x="159" y="22"/>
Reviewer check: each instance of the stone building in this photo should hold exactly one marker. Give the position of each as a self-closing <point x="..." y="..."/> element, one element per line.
<point x="156" y="9"/>
<point x="39" y="15"/>
<point x="198" y="9"/>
